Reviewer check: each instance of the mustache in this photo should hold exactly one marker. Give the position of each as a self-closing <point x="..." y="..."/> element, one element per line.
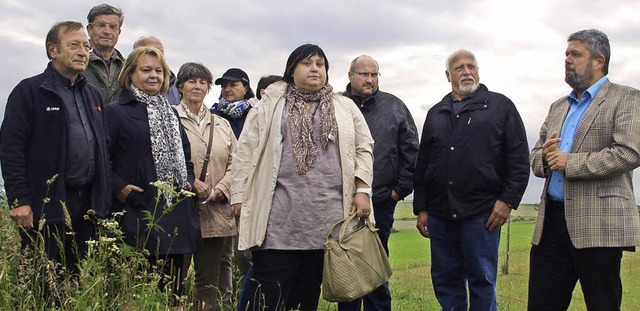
<point x="467" y="78"/>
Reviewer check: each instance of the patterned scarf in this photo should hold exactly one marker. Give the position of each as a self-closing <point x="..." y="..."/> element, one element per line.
<point x="166" y="143"/>
<point x="202" y="113"/>
<point x="233" y="110"/>
<point x="301" y="123"/>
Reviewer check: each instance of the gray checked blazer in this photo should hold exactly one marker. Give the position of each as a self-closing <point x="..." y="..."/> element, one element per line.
<point x="600" y="207"/>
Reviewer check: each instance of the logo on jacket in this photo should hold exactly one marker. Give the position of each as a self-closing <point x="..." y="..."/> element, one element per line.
<point x="96" y="108"/>
<point x="53" y="108"/>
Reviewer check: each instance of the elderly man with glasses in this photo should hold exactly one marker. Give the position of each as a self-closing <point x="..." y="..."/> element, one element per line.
<point x="105" y="62"/>
<point x="394" y="154"/>
<point x="53" y="151"/>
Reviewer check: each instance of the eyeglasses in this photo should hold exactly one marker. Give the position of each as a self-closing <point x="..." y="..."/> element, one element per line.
<point x="74" y="46"/>
<point x="367" y="74"/>
<point x="101" y="26"/>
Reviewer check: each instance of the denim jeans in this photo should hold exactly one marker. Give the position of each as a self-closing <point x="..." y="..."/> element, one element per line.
<point x="380" y="298"/>
<point x="464" y="253"/>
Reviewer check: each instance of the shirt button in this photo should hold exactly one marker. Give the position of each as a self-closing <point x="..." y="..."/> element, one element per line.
<point x="453" y="148"/>
<point x="457" y="116"/>
<point x="450" y="182"/>
<point x="455" y="216"/>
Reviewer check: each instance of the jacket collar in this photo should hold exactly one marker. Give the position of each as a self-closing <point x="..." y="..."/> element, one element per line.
<point x="478" y="96"/>
<point x="361" y="102"/>
<point x="116" y="56"/>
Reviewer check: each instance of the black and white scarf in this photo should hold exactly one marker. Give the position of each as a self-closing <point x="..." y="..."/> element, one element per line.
<point x="166" y="143"/>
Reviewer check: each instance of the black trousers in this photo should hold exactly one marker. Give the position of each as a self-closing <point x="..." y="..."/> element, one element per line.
<point x="556" y="266"/>
<point x="71" y="247"/>
<point x="286" y="279"/>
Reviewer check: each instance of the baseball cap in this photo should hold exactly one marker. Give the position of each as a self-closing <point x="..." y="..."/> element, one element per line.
<point x="233" y="74"/>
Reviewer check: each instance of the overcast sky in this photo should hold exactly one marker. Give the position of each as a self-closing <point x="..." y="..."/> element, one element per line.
<point x="519" y="44"/>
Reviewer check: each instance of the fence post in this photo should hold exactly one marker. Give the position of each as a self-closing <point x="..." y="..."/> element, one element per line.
<point x="506" y="264"/>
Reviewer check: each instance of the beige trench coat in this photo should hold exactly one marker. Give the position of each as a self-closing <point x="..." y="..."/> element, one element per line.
<point x="216" y="218"/>
<point x="256" y="162"/>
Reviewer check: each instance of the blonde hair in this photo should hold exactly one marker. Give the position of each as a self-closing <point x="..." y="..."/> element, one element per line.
<point x="132" y="62"/>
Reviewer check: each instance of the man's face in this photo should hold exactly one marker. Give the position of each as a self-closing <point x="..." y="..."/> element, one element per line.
<point x="104" y="32"/>
<point x="70" y="55"/>
<point x="463" y="75"/>
<point x="364" y="77"/>
<point x="578" y="66"/>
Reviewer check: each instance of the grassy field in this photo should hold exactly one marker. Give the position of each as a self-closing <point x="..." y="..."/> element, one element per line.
<point x="411" y="287"/>
<point x="410" y="284"/>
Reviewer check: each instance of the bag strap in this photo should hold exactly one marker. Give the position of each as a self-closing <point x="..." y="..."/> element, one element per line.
<point x="345" y="225"/>
<point x="203" y="173"/>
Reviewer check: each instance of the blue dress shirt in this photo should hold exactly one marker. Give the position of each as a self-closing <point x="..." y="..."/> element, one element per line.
<point x="577" y="109"/>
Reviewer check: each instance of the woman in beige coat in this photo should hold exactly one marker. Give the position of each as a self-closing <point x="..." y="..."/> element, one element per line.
<point x="304" y="161"/>
<point x="212" y="186"/>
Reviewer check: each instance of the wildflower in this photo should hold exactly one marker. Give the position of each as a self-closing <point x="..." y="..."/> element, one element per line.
<point x="85" y="217"/>
<point x="67" y="216"/>
<point x="187" y="193"/>
<point x="91" y="212"/>
<point x="46" y="200"/>
<point x="107" y="240"/>
<point x="41" y="223"/>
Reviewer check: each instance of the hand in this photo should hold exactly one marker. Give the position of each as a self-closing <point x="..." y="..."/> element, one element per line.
<point x="422" y="224"/>
<point x="237" y="208"/>
<point x="124" y="193"/>
<point x="202" y="190"/>
<point x="23" y="216"/>
<point x="395" y="196"/>
<point x="557" y="160"/>
<point x="361" y="205"/>
<point x="550" y="145"/>
<point x="499" y="216"/>
<point x="218" y="195"/>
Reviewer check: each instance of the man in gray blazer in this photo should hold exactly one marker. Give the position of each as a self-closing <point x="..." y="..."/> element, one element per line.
<point x="589" y="145"/>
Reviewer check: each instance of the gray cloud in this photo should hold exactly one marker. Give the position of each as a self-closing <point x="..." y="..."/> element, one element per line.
<point x="520" y="46"/>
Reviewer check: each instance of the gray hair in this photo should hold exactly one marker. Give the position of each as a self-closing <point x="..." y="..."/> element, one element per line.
<point x="597" y="42"/>
<point x="104" y="9"/>
<point x="193" y="70"/>
<point x="455" y="54"/>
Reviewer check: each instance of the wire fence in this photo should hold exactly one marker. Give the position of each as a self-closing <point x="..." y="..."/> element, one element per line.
<point x="512" y="282"/>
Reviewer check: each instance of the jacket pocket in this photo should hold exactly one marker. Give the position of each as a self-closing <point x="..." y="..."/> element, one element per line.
<point x="604" y="192"/>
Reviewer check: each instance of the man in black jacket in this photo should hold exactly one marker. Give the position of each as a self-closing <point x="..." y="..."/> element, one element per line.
<point x="472" y="170"/>
<point x="53" y="149"/>
<point x="394" y="153"/>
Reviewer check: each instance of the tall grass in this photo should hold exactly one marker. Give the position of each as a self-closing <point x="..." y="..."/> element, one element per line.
<point x="112" y="276"/>
<point x="116" y="276"/>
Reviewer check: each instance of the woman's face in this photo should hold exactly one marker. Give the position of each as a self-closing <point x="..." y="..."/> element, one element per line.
<point x="148" y="75"/>
<point x="310" y="73"/>
<point x="233" y="91"/>
<point x="194" y="90"/>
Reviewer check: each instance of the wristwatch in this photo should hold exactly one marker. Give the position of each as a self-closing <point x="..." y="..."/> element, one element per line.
<point x="367" y="191"/>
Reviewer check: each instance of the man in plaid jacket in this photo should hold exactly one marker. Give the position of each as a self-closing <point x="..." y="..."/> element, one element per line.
<point x="589" y="145"/>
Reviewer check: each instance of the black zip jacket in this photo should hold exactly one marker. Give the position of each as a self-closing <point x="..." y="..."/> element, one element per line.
<point x="469" y="160"/>
<point x="396" y="143"/>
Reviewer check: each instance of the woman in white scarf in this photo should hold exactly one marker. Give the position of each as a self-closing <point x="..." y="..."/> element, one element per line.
<point x="148" y="144"/>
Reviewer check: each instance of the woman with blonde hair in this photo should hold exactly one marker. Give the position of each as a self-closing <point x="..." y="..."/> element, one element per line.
<point x="148" y="144"/>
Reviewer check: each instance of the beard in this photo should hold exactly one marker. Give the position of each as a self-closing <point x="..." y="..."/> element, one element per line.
<point x="580" y="83"/>
<point x="467" y="90"/>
